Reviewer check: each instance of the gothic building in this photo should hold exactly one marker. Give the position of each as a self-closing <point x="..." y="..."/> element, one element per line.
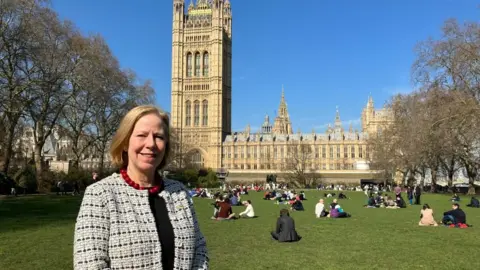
<point x="202" y="78"/>
<point x="202" y="100"/>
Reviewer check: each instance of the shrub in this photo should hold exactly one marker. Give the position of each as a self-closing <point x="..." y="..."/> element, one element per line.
<point x="26" y="179"/>
<point x="210" y="180"/>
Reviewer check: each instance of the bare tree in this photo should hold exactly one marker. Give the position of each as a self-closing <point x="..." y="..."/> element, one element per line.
<point x="87" y="81"/>
<point x="451" y="64"/>
<point x="297" y="163"/>
<point x="16" y="20"/>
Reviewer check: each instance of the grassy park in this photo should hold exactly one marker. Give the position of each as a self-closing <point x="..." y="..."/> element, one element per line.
<point x="36" y="232"/>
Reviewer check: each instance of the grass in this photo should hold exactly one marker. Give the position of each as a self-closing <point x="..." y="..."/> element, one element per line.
<point x="36" y="232"/>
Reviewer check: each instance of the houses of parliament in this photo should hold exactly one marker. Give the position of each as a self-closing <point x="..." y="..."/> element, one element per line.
<point x="201" y="105"/>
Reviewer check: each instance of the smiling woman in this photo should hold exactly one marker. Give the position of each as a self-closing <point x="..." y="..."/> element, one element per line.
<point x="138" y="219"/>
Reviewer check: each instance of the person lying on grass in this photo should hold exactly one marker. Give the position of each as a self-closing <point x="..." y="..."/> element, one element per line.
<point x="285" y="229"/>
<point x="426" y="216"/>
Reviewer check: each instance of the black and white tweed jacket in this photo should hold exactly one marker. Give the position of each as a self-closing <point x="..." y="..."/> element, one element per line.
<point x="116" y="229"/>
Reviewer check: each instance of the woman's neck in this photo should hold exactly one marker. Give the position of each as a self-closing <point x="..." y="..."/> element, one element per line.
<point x="141" y="178"/>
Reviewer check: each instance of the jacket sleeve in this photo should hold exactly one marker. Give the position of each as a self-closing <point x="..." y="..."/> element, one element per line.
<point x="200" y="261"/>
<point x="92" y="229"/>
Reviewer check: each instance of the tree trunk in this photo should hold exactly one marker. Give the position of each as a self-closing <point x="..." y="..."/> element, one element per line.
<point x="102" y="161"/>
<point x="450" y="181"/>
<point x="471" y="186"/>
<point x="9" y="148"/>
<point x="433" y="188"/>
<point x="41" y="187"/>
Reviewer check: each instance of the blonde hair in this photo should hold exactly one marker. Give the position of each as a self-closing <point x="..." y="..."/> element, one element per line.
<point x="120" y="141"/>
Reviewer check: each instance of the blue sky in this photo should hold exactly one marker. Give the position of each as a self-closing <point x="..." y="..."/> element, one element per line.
<point x="326" y="53"/>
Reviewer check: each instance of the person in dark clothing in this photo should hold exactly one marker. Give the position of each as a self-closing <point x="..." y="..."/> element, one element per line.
<point x="297" y="206"/>
<point x="418" y="193"/>
<point x="342" y="196"/>
<point x="454" y="216"/>
<point x="410" y="195"/>
<point x="285" y="231"/>
<point x="400" y="201"/>
<point x="474" y="203"/>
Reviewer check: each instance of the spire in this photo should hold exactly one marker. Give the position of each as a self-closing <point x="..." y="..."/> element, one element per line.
<point x="370" y="100"/>
<point x="337" y="115"/>
<point x="350" y="128"/>
<point x="191" y="5"/>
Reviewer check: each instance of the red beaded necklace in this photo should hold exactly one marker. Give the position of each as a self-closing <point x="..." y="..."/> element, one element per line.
<point x="151" y="190"/>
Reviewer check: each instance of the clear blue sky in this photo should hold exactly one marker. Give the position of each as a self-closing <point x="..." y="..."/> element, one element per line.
<point x="326" y="53"/>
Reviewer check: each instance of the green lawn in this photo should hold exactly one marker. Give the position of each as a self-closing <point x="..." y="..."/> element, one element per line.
<point x="36" y="232"/>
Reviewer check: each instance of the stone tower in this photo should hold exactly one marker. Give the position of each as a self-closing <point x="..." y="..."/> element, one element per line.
<point x="282" y="124"/>
<point x="201" y="79"/>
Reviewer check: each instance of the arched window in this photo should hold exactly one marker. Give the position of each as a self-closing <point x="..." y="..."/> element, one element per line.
<point x="205" y="113"/>
<point x="188" y="113"/>
<point x="197" y="64"/>
<point x="196" y="113"/>
<point x="189" y="64"/>
<point x="196" y="159"/>
<point x="205" y="64"/>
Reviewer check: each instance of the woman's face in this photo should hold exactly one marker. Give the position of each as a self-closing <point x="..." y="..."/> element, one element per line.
<point x="147" y="144"/>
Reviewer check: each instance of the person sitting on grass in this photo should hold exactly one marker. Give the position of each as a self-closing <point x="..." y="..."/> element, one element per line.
<point x="474" y="203"/>
<point x="297" y="205"/>
<point x="371" y="202"/>
<point x="302" y="196"/>
<point x="333" y="204"/>
<point x="400" y="201"/>
<point x="455" y="216"/>
<point x="379" y="201"/>
<point x="225" y="210"/>
<point x="455" y="198"/>
<point x="235" y="199"/>
<point x="342" y="196"/>
<point x="248" y="213"/>
<point x="426" y="216"/>
<point x="285" y="230"/>
<point x="338" y="212"/>
<point x="320" y="209"/>
<point x="390" y="203"/>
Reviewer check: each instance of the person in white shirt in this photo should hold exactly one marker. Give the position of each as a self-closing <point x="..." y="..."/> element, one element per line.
<point x="248" y="213"/>
<point x="320" y="209"/>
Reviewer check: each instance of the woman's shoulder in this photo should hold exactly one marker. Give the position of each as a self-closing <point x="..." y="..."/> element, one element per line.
<point x="174" y="185"/>
<point x="110" y="182"/>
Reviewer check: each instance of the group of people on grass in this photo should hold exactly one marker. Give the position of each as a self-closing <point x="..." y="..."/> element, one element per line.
<point x="285" y="227"/>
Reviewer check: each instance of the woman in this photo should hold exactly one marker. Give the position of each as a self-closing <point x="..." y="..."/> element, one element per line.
<point x="249" y="212"/>
<point x="285" y="231"/>
<point x="137" y="219"/>
<point x="426" y="216"/>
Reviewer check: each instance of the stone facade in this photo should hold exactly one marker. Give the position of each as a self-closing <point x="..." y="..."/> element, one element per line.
<point x="201" y="78"/>
<point x="201" y="107"/>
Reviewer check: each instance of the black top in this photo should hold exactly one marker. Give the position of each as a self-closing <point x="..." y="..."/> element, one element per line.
<point x="164" y="229"/>
<point x="458" y="214"/>
<point x="286" y="229"/>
